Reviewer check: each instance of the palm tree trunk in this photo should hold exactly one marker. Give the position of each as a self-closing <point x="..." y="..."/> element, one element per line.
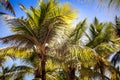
<point x="42" y="57"/>
<point x="43" y="69"/>
<point x="37" y="74"/>
<point x="101" y="69"/>
<point x="71" y="73"/>
<point x="42" y="73"/>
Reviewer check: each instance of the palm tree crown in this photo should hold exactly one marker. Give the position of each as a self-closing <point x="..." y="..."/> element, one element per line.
<point x="46" y="24"/>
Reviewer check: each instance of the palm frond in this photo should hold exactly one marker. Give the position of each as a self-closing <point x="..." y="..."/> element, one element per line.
<point x="15" y="71"/>
<point x="116" y="58"/>
<point x="85" y="55"/>
<point x="100" y="33"/>
<point x="117" y="26"/>
<point x="15" y="52"/>
<point x="115" y="3"/>
<point x="92" y="74"/>
<point x="32" y="60"/>
<point x="19" y="40"/>
<point x="96" y="22"/>
<point x="7" y="5"/>
<point x="3" y="59"/>
<point x="78" y="31"/>
<point x="51" y="66"/>
<point x="21" y="26"/>
<point x="105" y="49"/>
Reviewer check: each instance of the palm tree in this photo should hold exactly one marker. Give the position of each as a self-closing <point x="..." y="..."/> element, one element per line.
<point x="43" y="25"/>
<point x="101" y="41"/>
<point x="100" y="47"/>
<point x="7" y="5"/>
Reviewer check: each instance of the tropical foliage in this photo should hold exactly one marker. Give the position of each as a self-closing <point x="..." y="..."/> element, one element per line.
<point x="52" y="49"/>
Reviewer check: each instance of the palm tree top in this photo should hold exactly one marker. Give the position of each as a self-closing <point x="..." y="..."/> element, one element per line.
<point x="41" y="24"/>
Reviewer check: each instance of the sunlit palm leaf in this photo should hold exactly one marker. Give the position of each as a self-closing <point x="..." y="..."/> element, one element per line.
<point x="85" y="55"/>
<point x="15" y="52"/>
<point x="105" y="49"/>
<point x="92" y="74"/>
<point x="78" y="31"/>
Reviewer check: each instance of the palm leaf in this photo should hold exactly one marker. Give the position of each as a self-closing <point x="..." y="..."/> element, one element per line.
<point x="15" y="52"/>
<point x="92" y="74"/>
<point x="85" y="55"/>
<point x="7" y="5"/>
<point x="100" y="33"/>
<point x="78" y="31"/>
<point x="18" y="40"/>
<point x="15" y="71"/>
<point x="116" y="58"/>
<point x="105" y="49"/>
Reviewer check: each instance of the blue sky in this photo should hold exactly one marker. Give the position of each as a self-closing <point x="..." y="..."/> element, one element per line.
<point x="85" y="9"/>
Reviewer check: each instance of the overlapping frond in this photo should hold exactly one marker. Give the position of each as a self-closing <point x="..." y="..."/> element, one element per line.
<point x="107" y="67"/>
<point x="7" y="5"/>
<point x="116" y="58"/>
<point x="19" y="40"/>
<point x="100" y="33"/>
<point x="2" y="59"/>
<point x="15" y="72"/>
<point x="85" y="55"/>
<point x="78" y="31"/>
<point x="117" y="26"/>
<point x="21" y="26"/>
<point x="91" y="74"/>
<point x="15" y="52"/>
<point x="106" y="49"/>
<point x="116" y="3"/>
<point x="33" y="60"/>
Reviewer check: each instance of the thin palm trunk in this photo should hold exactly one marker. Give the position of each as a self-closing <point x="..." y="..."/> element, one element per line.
<point x="37" y="74"/>
<point x="43" y="63"/>
<point x="43" y="69"/>
<point x="40" y="73"/>
<point x="101" y="69"/>
<point x="71" y="73"/>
